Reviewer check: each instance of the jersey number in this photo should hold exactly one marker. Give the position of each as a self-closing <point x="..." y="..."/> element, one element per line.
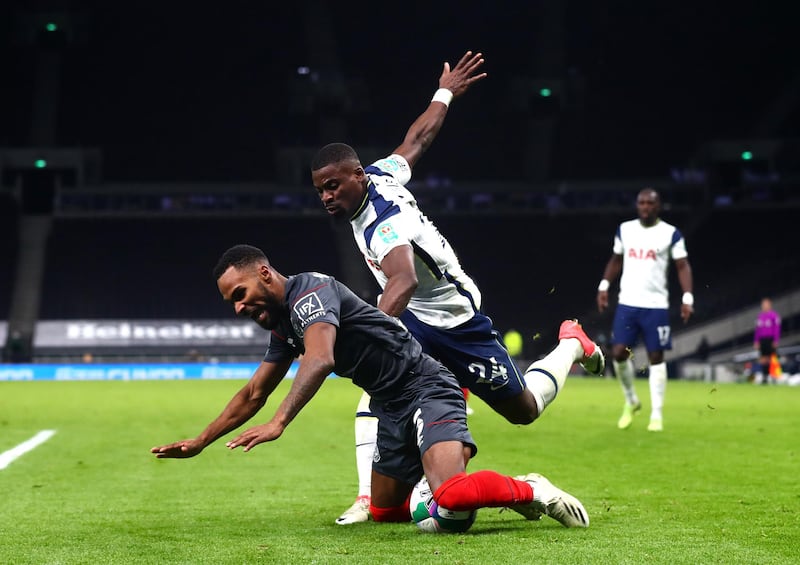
<point x="420" y="426"/>
<point x="498" y="377"/>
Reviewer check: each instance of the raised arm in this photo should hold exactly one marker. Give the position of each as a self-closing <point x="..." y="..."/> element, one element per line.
<point x="243" y="406"/>
<point x="424" y="129"/>
<point x="315" y="366"/>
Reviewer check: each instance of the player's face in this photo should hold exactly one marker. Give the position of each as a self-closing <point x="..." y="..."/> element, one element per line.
<point x="648" y="206"/>
<point x="247" y="290"/>
<point x="340" y="187"/>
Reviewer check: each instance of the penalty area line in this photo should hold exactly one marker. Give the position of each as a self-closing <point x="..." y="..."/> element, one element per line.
<point x="8" y="457"/>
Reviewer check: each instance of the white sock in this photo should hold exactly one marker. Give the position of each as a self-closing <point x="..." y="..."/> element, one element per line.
<point x="658" y="389"/>
<point x="366" y="431"/>
<point x="547" y="376"/>
<point x="626" y="375"/>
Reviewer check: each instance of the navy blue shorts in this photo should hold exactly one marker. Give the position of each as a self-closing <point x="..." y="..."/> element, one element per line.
<point x="474" y="352"/>
<point x="651" y="323"/>
<point x="430" y="412"/>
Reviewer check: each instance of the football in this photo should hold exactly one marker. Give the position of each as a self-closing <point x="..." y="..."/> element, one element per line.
<point x="430" y="517"/>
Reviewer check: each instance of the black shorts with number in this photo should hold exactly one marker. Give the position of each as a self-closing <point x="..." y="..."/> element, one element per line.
<point x="430" y="410"/>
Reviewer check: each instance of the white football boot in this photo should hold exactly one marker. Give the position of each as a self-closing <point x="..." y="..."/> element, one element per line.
<point x="358" y="512"/>
<point x="552" y="501"/>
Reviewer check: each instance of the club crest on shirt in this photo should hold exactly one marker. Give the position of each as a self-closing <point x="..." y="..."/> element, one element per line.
<point x="308" y="308"/>
<point x="386" y="233"/>
<point x="391" y="166"/>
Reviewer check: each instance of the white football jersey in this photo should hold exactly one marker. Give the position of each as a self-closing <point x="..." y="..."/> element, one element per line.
<point x="446" y="296"/>
<point x="646" y="252"/>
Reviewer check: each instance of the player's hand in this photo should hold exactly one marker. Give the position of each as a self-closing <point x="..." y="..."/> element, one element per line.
<point x="686" y="312"/>
<point x="463" y="75"/>
<point x="255" y="435"/>
<point x="178" y="450"/>
<point x="602" y="300"/>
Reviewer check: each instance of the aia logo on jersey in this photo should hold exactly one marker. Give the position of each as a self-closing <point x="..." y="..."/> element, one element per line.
<point x="642" y="254"/>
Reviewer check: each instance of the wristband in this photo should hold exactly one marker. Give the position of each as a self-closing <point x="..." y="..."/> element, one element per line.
<point x="442" y="95"/>
<point x="603" y="286"/>
<point x="688" y="299"/>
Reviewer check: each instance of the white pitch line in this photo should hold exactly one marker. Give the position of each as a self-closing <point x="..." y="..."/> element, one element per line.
<point x="8" y="457"/>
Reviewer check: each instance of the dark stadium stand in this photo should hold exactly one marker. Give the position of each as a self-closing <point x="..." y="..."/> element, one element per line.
<point x="161" y="267"/>
<point x="9" y="237"/>
<point x="744" y="254"/>
<point x="534" y="269"/>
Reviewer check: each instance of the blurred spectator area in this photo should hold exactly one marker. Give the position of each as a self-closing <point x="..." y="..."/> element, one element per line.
<point x="534" y="268"/>
<point x="161" y="267"/>
<point x="9" y="225"/>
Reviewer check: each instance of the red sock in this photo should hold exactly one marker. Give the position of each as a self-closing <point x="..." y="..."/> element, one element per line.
<point x="482" y="489"/>
<point x="394" y="514"/>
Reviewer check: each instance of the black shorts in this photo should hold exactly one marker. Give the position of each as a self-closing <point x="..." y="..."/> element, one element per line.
<point x="430" y="411"/>
<point x="766" y="346"/>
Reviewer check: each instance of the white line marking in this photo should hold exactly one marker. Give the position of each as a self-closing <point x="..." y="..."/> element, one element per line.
<point x="8" y="457"/>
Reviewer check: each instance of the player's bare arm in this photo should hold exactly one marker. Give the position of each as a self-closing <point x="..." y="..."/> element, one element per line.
<point x="243" y="406"/>
<point x="398" y="266"/>
<point x="684" y="271"/>
<point x="611" y="272"/>
<point x="425" y="128"/>
<point x="315" y="366"/>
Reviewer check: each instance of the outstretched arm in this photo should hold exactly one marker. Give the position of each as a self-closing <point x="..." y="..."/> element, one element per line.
<point x="243" y="406"/>
<point x="424" y="129"/>
<point x="315" y="366"/>
<point x="611" y="272"/>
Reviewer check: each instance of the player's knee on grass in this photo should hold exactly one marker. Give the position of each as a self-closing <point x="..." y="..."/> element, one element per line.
<point x="394" y="514"/>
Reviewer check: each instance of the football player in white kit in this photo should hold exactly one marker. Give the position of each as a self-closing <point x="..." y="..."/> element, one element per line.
<point x="642" y="251"/>
<point x="425" y="286"/>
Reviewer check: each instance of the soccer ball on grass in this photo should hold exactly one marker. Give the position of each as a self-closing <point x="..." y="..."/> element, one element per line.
<point x="430" y="517"/>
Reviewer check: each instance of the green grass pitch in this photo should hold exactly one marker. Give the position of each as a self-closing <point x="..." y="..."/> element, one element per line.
<point x="721" y="484"/>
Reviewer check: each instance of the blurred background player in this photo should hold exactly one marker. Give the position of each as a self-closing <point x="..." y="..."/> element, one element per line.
<point x="641" y="252"/>
<point x="765" y="339"/>
<point x="424" y="284"/>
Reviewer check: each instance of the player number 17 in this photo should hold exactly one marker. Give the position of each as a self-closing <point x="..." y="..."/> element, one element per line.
<point x="663" y="334"/>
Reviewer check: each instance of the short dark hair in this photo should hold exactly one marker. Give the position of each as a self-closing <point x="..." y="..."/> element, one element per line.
<point x="238" y="256"/>
<point x="333" y="153"/>
<point x="653" y="191"/>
